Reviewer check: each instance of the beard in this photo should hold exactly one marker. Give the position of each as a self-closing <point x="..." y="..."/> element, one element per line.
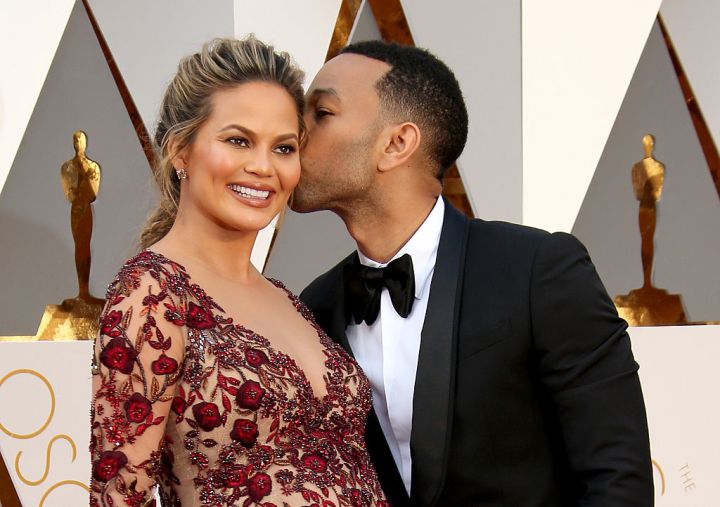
<point x="337" y="181"/>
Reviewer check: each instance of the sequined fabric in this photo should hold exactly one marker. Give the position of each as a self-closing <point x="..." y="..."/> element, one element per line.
<point x="206" y="409"/>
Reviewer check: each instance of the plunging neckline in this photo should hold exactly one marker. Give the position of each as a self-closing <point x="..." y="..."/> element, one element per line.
<point x="328" y="345"/>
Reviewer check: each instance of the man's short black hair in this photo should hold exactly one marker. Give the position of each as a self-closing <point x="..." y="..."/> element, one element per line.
<point x="421" y="89"/>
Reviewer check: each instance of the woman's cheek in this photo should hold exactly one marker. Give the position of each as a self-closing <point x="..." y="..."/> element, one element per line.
<point x="290" y="174"/>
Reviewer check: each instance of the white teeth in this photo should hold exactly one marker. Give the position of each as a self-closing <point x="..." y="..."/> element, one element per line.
<point x="249" y="192"/>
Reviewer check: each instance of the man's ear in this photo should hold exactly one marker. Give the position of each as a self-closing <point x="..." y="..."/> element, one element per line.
<point x="402" y="142"/>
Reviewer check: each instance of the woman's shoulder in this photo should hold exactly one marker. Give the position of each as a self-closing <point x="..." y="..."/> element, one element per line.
<point x="148" y="268"/>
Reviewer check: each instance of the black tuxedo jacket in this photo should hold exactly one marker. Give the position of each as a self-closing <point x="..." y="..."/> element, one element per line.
<point x="526" y="392"/>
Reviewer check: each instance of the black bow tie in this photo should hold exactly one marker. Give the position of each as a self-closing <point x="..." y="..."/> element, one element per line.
<point x="364" y="285"/>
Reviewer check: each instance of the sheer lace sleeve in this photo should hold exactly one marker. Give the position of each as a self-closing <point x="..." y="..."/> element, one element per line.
<point x="136" y="365"/>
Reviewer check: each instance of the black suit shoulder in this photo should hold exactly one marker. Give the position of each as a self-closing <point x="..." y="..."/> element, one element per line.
<point x="506" y="234"/>
<point x="503" y="251"/>
<point x="506" y="229"/>
<point x="519" y="245"/>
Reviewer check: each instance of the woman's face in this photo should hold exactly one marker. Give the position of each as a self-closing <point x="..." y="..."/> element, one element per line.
<point x="243" y="163"/>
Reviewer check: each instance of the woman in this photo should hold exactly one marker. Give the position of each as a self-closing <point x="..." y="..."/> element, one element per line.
<point x="210" y="380"/>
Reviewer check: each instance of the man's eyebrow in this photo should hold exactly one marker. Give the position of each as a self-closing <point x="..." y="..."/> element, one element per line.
<point x="324" y="91"/>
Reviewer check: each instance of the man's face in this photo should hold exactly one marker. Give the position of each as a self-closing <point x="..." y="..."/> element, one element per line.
<point x="339" y="160"/>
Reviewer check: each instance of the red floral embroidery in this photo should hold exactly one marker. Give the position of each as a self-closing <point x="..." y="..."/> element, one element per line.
<point x="137" y="408"/>
<point x="164" y="365"/>
<point x="236" y="476"/>
<point x="273" y="442"/>
<point x="259" y="486"/>
<point x="207" y="415"/>
<point x="250" y="395"/>
<point x="315" y="462"/>
<point x="108" y="325"/>
<point x="118" y="355"/>
<point x="245" y="431"/>
<point x="256" y="358"/>
<point x="199" y="318"/>
<point x="109" y="465"/>
<point x="178" y="405"/>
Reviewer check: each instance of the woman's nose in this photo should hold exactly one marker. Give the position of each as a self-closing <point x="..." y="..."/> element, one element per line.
<point x="259" y="164"/>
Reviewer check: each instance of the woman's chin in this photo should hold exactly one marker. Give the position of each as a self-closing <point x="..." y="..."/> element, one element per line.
<point x="250" y="225"/>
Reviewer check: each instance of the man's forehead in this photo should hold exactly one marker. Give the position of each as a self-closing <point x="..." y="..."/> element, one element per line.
<point x="348" y="71"/>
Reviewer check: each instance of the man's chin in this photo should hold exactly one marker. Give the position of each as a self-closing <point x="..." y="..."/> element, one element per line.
<point x="302" y="205"/>
<point x="301" y="209"/>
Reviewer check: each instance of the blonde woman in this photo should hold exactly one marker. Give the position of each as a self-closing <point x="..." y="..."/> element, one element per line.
<point x="211" y="381"/>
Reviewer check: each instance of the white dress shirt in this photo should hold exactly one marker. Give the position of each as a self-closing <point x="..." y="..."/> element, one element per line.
<point x="388" y="350"/>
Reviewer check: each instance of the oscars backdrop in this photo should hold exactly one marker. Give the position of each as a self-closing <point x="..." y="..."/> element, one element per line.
<point x="599" y="118"/>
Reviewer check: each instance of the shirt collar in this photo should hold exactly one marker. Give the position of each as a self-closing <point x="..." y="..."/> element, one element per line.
<point x="422" y="247"/>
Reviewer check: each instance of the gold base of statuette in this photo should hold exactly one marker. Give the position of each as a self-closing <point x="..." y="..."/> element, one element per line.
<point x="74" y="319"/>
<point x="649" y="306"/>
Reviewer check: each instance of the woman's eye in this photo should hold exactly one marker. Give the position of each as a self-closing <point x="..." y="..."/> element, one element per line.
<point x="321" y="113"/>
<point x="285" y="149"/>
<point x="238" y="141"/>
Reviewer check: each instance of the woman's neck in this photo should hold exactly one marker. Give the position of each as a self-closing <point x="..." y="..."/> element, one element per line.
<point x="205" y="243"/>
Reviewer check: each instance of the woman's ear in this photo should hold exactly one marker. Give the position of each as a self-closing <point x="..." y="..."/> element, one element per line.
<point x="402" y="142"/>
<point x="181" y="155"/>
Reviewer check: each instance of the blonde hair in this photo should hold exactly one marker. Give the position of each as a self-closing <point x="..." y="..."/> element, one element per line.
<point x="221" y="64"/>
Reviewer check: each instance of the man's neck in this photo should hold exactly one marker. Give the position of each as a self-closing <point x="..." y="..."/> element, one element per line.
<point x="380" y="232"/>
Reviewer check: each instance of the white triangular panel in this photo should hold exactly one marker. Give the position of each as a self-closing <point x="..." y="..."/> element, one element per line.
<point x="30" y="31"/>
<point x="692" y="26"/>
<point x="304" y="29"/>
<point x="578" y="59"/>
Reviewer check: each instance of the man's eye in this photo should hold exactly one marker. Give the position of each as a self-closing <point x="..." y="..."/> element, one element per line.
<point x="238" y="141"/>
<point x="285" y="149"/>
<point x="321" y="113"/>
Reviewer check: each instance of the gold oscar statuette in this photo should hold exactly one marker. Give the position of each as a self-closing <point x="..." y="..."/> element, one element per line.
<point x="77" y="318"/>
<point x="649" y="305"/>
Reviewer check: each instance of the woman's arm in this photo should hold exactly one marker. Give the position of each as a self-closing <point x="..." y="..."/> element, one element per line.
<point x="136" y="366"/>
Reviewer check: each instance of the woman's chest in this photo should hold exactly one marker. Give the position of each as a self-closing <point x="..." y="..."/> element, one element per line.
<point x="231" y="373"/>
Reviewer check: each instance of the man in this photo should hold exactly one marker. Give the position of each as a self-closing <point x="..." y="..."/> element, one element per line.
<point x="501" y="373"/>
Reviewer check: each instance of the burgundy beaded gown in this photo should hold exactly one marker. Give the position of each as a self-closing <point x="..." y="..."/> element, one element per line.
<point x="189" y="400"/>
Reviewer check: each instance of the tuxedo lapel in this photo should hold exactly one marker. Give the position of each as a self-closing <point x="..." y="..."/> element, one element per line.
<point x="338" y="320"/>
<point x="435" y="380"/>
<point x="380" y="454"/>
<point x="388" y="474"/>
